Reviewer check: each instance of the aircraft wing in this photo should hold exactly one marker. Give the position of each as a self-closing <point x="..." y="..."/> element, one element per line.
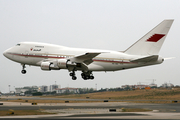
<point x="85" y="58"/>
<point x="146" y="59"/>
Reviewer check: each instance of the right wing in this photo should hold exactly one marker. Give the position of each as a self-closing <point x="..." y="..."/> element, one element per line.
<point x="85" y="58"/>
<point x="82" y="61"/>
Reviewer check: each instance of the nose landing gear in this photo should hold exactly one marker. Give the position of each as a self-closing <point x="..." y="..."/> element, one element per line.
<point x="23" y="69"/>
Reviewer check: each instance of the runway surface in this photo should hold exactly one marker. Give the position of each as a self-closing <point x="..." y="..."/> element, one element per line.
<point x="107" y="116"/>
<point x="27" y="106"/>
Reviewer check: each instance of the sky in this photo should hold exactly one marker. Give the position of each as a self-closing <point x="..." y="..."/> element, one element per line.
<point x="95" y="24"/>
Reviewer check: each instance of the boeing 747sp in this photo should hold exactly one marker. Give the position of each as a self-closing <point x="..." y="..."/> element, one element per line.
<point x="48" y="57"/>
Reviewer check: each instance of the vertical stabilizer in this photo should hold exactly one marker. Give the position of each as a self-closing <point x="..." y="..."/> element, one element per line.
<point x="151" y="43"/>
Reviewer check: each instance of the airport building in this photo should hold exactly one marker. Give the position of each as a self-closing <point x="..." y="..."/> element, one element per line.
<point x="27" y="88"/>
<point x="43" y="88"/>
<point x="141" y="86"/>
<point x="67" y="90"/>
<point x="31" y="89"/>
<point x="53" y="87"/>
<point x="153" y="85"/>
<point x="167" y="85"/>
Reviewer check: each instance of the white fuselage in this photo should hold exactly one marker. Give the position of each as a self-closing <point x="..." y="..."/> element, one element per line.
<point x="33" y="53"/>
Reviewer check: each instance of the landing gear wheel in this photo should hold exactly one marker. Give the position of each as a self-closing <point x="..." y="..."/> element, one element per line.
<point x="83" y="75"/>
<point x="23" y="71"/>
<point x="71" y="74"/>
<point x="87" y="75"/>
<point x="74" y="77"/>
<point x="92" y="77"/>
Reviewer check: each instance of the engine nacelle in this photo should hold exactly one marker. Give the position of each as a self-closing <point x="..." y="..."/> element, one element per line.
<point x="58" y="64"/>
<point x="66" y="64"/>
<point x="62" y="63"/>
<point x="45" y="66"/>
<point x="49" y="66"/>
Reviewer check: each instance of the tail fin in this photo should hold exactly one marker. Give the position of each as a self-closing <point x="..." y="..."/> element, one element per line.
<point x="151" y="43"/>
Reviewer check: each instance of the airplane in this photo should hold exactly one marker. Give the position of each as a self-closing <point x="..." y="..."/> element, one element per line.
<point x="48" y="57"/>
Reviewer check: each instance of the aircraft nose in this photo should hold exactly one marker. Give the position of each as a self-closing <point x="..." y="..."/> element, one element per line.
<point x="5" y="53"/>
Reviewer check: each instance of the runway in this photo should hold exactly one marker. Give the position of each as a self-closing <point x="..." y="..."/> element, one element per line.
<point x="107" y="116"/>
<point x="100" y="105"/>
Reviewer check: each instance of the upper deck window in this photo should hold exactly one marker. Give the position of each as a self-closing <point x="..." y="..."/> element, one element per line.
<point x="40" y="46"/>
<point x="18" y="44"/>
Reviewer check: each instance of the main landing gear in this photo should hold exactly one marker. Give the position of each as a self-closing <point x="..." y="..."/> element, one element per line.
<point x="87" y="75"/>
<point x="23" y="69"/>
<point x="73" y="75"/>
<point x="84" y="75"/>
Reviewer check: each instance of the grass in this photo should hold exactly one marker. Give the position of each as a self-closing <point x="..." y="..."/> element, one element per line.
<point x="137" y="96"/>
<point x="49" y="101"/>
<point x="22" y="112"/>
<point x="152" y="94"/>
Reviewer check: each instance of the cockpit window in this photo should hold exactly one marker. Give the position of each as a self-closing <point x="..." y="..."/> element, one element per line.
<point x="18" y="44"/>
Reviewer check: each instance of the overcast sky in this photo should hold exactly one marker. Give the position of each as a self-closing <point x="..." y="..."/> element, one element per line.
<point x="99" y="24"/>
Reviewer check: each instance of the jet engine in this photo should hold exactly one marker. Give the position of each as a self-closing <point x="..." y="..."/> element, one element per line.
<point x="58" y="64"/>
<point x="45" y="66"/>
<point x="49" y="66"/>
<point x="64" y="64"/>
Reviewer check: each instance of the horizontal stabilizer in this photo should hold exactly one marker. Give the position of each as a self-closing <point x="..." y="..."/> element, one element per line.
<point x="146" y="59"/>
<point x="169" y="58"/>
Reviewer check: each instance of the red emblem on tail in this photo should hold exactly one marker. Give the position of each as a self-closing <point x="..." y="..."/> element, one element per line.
<point x="155" y="37"/>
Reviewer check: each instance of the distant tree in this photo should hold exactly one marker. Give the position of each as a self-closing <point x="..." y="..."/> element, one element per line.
<point x="37" y="94"/>
<point x="102" y="90"/>
<point x="91" y="90"/>
<point x="28" y="92"/>
<point x="154" y="87"/>
<point x="127" y="88"/>
<point x="81" y="91"/>
<point x="54" y="92"/>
